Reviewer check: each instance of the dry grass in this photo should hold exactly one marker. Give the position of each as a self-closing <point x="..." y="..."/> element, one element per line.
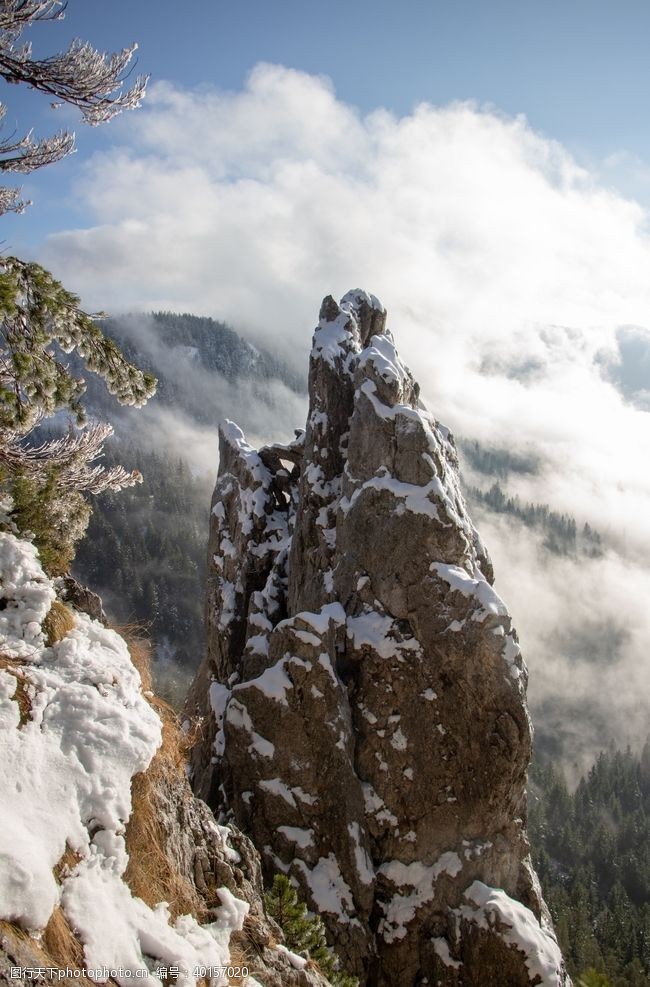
<point x="140" y="649"/>
<point x="150" y="873"/>
<point x="62" y="945"/>
<point x="58" y="622"/>
<point x="176" y="743"/>
<point x="66" y="864"/>
<point x="243" y="952"/>
<point x="15" y="667"/>
<point x="58" y="948"/>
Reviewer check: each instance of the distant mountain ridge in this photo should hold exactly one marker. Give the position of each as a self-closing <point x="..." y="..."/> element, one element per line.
<point x="209" y="343"/>
<point x="204" y="369"/>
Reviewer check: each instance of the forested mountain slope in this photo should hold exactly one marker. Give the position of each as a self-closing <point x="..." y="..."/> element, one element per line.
<point x="591" y="847"/>
<point x="145" y="554"/>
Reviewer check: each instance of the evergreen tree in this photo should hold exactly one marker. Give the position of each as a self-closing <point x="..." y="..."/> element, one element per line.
<point x="40" y="320"/>
<point x="304" y="934"/>
<point x="592" y="851"/>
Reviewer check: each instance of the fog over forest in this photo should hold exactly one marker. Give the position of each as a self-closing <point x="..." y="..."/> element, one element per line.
<point x="578" y="600"/>
<point x="516" y="285"/>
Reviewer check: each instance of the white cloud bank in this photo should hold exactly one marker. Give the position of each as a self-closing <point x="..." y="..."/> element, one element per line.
<point x="507" y="270"/>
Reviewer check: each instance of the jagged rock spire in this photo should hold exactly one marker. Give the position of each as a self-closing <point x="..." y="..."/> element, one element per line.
<point x="364" y="688"/>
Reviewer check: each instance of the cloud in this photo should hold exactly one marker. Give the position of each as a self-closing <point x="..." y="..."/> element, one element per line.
<point x="183" y="416"/>
<point x="584" y="625"/>
<point x="491" y="248"/>
<point x="508" y="272"/>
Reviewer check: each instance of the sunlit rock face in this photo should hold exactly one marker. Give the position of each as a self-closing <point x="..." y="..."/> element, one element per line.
<point x="364" y="692"/>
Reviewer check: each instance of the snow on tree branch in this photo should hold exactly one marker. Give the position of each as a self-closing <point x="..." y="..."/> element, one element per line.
<point x="37" y="315"/>
<point x="70" y="457"/>
<point x="81" y="76"/>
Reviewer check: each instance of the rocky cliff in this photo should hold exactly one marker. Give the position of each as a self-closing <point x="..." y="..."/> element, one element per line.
<point x="111" y="870"/>
<point x="363" y="695"/>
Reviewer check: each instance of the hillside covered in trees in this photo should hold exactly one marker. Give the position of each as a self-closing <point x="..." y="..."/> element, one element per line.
<point x="591" y="848"/>
<point x="145" y="554"/>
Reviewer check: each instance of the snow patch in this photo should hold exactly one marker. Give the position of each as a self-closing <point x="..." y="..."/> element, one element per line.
<point x="66" y="782"/>
<point x="475" y="586"/>
<point x="238" y="717"/>
<point x="296" y="961"/>
<point x="273" y="682"/>
<point x="277" y="787"/>
<point x="401" y="909"/>
<point x="329" y="891"/>
<point x="518" y="927"/>
<point x="364" y="864"/>
<point x="441" y="947"/>
<point x="412" y="497"/>
<point x="28" y="596"/>
<point x="219" y="695"/>
<point x="301" y="837"/>
<point x="373" y="630"/>
<point x="398" y="741"/>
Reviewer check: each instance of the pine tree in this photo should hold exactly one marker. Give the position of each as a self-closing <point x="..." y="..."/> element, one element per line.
<point x="40" y="321"/>
<point x="592" y="978"/>
<point x="592" y="848"/>
<point x="304" y="934"/>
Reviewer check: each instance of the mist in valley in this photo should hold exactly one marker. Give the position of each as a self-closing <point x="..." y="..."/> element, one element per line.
<point x="578" y="601"/>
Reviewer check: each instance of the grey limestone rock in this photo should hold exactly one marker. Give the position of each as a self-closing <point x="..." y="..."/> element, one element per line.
<point x="363" y="695"/>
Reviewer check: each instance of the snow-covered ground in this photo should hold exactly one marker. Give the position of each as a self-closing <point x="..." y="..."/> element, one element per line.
<point x="68" y="752"/>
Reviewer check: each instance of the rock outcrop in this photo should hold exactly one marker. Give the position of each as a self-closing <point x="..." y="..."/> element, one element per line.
<point x="363" y="695"/>
<point x="111" y="870"/>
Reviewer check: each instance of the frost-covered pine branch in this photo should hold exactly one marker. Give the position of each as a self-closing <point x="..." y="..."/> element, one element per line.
<point x="26" y="154"/>
<point x="39" y="321"/>
<point x="81" y="76"/>
<point x="71" y="457"/>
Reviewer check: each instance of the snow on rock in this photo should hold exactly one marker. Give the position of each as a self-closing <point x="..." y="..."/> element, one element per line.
<point x="119" y="930"/>
<point x="301" y="837"/>
<point x="277" y="787"/>
<point x="89" y="731"/>
<point x="441" y="947"/>
<point x="493" y="909"/>
<point x="402" y="908"/>
<point x="297" y="962"/>
<point x="364" y="863"/>
<point x="237" y="716"/>
<point x="66" y="784"/>
<point x="27" y="594"/>
<point x="410" y="496"/>
<point x="329" y="891"/>
<point x="473" y="586"/>
<point x="274" y="682"/>
<point x="373" y="666"/>
<point x="378" y="631"/>
<point x="219" y="696"/>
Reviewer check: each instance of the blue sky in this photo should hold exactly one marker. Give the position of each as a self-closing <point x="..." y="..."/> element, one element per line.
<point x="509" y="252"/>
<point x="578" y="70"/>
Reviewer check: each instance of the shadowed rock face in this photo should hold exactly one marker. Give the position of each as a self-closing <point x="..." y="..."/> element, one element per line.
<point x="364" y="691"/>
